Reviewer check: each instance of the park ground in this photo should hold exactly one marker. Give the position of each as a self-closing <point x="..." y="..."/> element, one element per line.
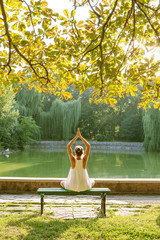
<point x="77" y="217"/>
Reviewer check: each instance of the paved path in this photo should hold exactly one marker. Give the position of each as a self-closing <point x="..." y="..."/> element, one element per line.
<point x="70" y="207"/>
<point x="121" y="199"/>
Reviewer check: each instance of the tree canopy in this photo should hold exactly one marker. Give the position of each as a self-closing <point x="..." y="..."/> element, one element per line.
<point x="106" y="51"/>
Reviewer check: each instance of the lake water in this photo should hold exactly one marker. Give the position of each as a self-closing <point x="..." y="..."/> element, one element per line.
<point x="55" y="164"/>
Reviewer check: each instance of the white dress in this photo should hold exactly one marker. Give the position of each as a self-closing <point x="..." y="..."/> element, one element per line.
<point x="78" y="179"/>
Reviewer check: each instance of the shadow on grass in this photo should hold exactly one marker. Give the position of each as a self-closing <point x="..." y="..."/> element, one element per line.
<point x="158" y="220"/>
<point x="45" y="227"/>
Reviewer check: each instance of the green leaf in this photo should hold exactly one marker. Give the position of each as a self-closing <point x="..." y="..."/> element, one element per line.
<point x="24" y="43"/>
<point x="73" y="12"/>
<point x="21" y="27"/>
<point x="44" y="25"/>
<point x="40" y="31"/>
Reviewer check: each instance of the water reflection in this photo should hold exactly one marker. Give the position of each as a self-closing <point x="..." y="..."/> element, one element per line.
<point x="152" y="164"/>
<point x="108" y="165"/>
<point x="39" y="163"/>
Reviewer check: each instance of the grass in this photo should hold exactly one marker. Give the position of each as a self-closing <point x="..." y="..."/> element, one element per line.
<point x="32" y="226"/>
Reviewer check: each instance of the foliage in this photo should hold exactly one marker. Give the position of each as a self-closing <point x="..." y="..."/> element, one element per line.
<point x="61" y="121"/>
<point x="101" y="122"/>
<point x="27" y="131"/>
<point x="57" y="119"/>
<point x="131" y="127"/>
<point x="101" y="137"/>
<point x="8" y="119"/>
<point x="28" y="103"/>
<point x="105" y="51"/>
<point x="32" y="226"/>
<point x="152" y="130"/>
<point x="15" y="131"/>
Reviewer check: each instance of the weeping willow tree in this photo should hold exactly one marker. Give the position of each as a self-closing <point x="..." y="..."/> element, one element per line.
<point x="58" y="120"/>
<point x="151" y="125"/>
<point x="28" y="102"/>
<point x="61" y="121"/>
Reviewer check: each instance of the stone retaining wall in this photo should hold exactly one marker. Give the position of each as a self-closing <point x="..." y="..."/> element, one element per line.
<point x="118" y="146"/>
<point x="117" y="186"/>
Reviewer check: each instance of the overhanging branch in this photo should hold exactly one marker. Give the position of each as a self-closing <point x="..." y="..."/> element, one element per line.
<point x="30" y="14"/>
<point x="152" y="26"/>
<point x="11" y="44"/>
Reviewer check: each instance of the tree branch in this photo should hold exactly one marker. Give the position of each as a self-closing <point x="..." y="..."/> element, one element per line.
<point x="30" y="13"/>
<point x="101" y="70"/>
<point x="152" y="26"/>
<point x="97" y="14"/>
<point x="46" y="78"/>
<point x="107" y="21"/>
<point x="7" y="33"/>
<point x="124" y="26"/>
<point x="131" y="41"/>
<point x="79" y="5"/>
<point x="134" y="22"/>
<point x="101" y="36"/>
<point x="101" y="48"/>
<point x="3" y="35"/>
<point x="144" y="5"/>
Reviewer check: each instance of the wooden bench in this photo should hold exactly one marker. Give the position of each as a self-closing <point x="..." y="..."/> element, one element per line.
<point x="61" y="191"/>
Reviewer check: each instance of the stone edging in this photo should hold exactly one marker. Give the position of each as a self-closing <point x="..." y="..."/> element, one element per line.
<point x="117" y="186"/>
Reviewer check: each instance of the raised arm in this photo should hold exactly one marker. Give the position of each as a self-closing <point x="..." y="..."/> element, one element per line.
<point x="69" y="150"/>
<point x="87" y="151"/>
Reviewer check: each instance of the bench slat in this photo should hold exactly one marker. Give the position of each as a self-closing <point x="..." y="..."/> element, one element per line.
<point x="95" y="191"/>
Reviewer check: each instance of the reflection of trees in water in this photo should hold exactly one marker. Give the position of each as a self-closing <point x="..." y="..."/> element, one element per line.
<point x="100" y="165"/>
<point x="116" y="165"/>
<point x="38" y="164"/>
<point x="133" y="165"/>
<point x="151" y="123"/>
<point x="152" y="164"/>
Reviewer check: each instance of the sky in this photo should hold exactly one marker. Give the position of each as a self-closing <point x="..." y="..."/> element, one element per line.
<point x="60" y="5"/>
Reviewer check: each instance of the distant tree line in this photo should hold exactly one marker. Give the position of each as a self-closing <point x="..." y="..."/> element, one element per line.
<point x="101" y="122"/>
<point x="30" y="115"/>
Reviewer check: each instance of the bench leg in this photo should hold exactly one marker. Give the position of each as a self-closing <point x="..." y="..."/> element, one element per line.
<point x="103" y="204"/>
<point x="42" y="203"/>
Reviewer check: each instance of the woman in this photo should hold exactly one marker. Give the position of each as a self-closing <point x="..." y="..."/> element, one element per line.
<point x="78" y="179"/>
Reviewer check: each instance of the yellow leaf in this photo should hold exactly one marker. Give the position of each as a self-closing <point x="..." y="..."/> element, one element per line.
<point x="14" y="26"/>
<point x="15" y="90"/>
<point x="112" y="101"/>
<point x="80" y="23"/>
<point x="80" y="91"/>
<point x="65" y="11"/>
<point x="132" y="92"/>
<point x="68" y="94"/>
<point x="56" y="28"/>
<point x="156" y="105"/>
<point x="44" y="3"/>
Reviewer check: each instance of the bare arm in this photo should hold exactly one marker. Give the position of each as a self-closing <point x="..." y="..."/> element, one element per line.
<point x="87" y="151"/>
<point x="71" y="157"/>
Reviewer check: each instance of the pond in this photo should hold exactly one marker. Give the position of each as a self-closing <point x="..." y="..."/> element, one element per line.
<point x="54" y="163"/>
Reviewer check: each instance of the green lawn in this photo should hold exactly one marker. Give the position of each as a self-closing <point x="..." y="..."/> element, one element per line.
<point x="142" y="225"/>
